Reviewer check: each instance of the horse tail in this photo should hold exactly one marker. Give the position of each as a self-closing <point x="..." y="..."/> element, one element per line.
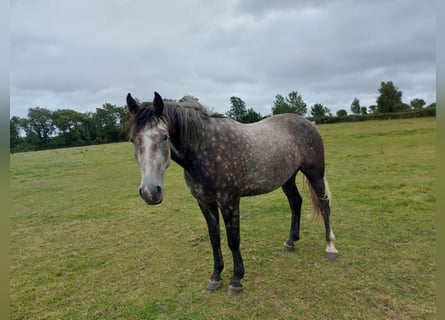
<point x="316" y="212"/>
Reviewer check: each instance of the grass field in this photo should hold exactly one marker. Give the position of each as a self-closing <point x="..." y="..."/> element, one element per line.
<point x="83" y="245"/>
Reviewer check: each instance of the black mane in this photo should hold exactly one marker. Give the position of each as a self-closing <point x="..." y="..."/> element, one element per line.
<point x="185" y="119"/>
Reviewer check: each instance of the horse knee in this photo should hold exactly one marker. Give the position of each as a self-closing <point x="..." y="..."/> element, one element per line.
<point x="234" y="244"/>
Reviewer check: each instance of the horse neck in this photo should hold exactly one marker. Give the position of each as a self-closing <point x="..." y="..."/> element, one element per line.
<point x="179" y="153"/>
<point x="184" y="134"/>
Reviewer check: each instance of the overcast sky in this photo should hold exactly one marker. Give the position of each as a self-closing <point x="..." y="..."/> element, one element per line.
<point x="81" y="54"/>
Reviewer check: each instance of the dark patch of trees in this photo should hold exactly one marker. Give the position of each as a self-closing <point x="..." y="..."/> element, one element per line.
<point x="319" y="111"/>
<point x="293" y="103"/>
<point x="46" y="129"/>
<point x="390" y="99"/>
<point x="239" y="112"/>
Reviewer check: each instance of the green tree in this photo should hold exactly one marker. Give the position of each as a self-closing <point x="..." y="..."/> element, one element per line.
<point x="355" y="106"/>
<point x="319" y="111"/>
<point x="109" y="121"/>
<point x="363" y="110"/>
<point x="281" y="106"/>
<point x="341" y="113"/>
<point x="90" y="127"/>
<point x="65" y="119"/>
<point x="390" y="99"/>
<point x="39" y="127"/>
<point x="251" y="116"/>
<point x="293" y="103"/>
<point x="73" y="127"/>
<point x="417" y="103"/>
<point x="238" y="110"/>
<point x="431" y="105"/>
<point x="15" y="140"/>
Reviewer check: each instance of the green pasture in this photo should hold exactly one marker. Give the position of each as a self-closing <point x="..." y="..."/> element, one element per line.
<point x="83" y="245"/>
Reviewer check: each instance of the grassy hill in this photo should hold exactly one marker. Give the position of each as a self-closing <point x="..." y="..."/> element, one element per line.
<point x="84" y="245"/>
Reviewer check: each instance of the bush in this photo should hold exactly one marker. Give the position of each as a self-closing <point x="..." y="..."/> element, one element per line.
<point x="418" y="113"/>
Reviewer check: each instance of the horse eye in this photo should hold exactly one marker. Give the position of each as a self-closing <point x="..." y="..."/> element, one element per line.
<point x="166" y="136"/>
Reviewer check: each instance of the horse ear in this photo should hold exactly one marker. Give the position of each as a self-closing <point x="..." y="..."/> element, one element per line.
<point x="132" y="104"/>
<point x="158" y="104"/>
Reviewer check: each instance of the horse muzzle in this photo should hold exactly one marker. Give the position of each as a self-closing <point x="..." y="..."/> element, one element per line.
<point x="151" y="195"/>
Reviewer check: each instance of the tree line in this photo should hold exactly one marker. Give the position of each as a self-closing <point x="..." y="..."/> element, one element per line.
<point x="46" y="129"/>
<point x="388" y="102"/>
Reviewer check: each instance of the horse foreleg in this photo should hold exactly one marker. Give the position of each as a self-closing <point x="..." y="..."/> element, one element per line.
<point x="230" y="213"/>
<point x="211" y="215"/>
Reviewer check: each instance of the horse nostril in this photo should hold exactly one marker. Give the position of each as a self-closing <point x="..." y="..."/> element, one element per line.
<point x="140" y="192"/>
<point x="158" y="189"/>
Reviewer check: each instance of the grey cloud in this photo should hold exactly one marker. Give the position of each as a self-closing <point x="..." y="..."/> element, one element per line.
<point x="82" y="54"/>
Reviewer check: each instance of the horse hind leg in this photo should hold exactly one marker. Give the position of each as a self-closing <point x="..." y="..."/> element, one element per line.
<point x="295" y="201"/>
<point x="321" y="198"/>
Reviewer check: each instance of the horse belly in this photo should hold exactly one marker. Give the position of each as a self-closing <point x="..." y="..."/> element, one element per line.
<point x="266" y="176"/>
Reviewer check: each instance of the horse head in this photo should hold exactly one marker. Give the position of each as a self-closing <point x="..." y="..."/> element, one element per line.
<point x="150" y="137"/>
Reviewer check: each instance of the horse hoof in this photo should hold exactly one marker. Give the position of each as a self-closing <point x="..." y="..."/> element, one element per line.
<point x="214" y="285"/>
<point x="288" y="248"/>
<point x="233" y="291"/>
<point x="331" y="255"/>
<point x="331" y="251"/>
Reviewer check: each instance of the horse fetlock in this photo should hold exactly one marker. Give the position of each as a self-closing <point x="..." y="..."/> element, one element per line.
<point x="233" y="291"/>
<point x="235" y="287"/>
<point x="288" y="247"/>
<point x="214" y="284"/>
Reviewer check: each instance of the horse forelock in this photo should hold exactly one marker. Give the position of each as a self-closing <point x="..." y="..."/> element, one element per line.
<point x="143" y="117"/>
